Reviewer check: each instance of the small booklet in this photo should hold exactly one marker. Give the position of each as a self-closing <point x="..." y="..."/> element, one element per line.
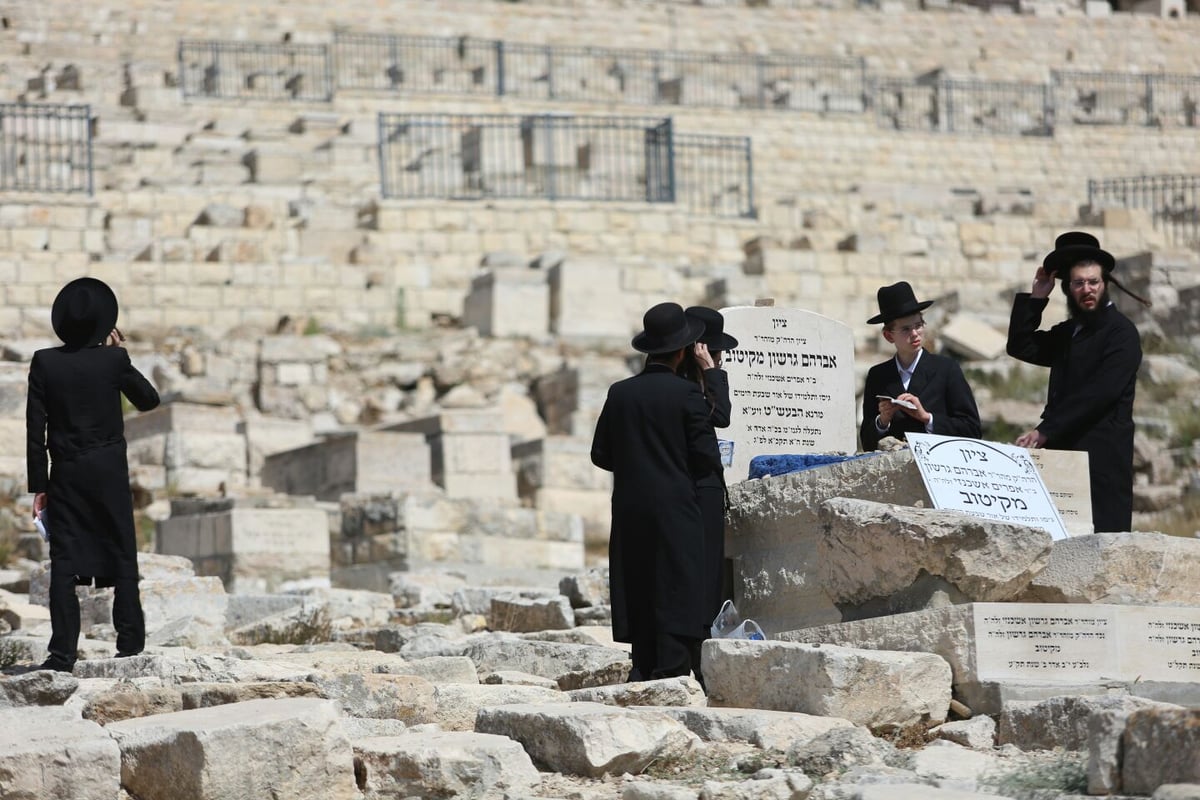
<point x="39" y="522"/>
<point x="901" y="403"/>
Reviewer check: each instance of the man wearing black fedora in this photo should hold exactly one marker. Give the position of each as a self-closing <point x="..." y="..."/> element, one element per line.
<point x="1093" y="359"/>
<point x="915" y="391"/>
<point x="655" y="436"/>
<point x="81" y="493"/>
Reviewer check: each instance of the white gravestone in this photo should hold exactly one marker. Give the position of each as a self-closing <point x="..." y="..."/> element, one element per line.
<point x="985" y="479"/>
<point x="1065" y="473"/>
<point x="791" y="385"/>
<point x="1080" y="643"/>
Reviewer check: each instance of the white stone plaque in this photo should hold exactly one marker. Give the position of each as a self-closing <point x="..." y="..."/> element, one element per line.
<point x="985" y="479"/>
<point x="1046" y="642"/>
<point x="1065" y="473"/>
<point x="1160" y="643"/>
<point x="791" y="386"/>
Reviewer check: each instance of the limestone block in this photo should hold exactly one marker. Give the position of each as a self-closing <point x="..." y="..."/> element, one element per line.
<point x="520" y="615"/>
<point x="590" y="739"/>
<point x="52" y="752"/>
<point x="293" y="747"/>
<point x="479" y="599"/>
<point x="380" y="696"/>
<point x="362" y="462"/>
<point x="305" y="623"/>
<point x="119" y="700"/>
<point x="766" y="784"/>
<point x="1062" y="721"/>
<point x="205" y="695"/>
<point x="457" y="705"/>
<point x="880" y="689"/>
<point x="678" y="692"/>
<point x="1160" y="746"/>
<point x="38" y="688"/>
<point x="977" y="732"/>
<point x="443" y="764"/>
<point x="972" y="338"/>
<point x="18" y="615"/>
<point x="841" y="748"/>
<point x="573" y="666"/>
<point x="586" y="299"/>
<point x="915" y="791"/>
<point x="1124" y="568"/>
<point x="871" y="550"/>
<point x="770" y="730"/>
<point x="508" y="302"/>
<point x="585" y="589"/>
<point x="267" y="435"/>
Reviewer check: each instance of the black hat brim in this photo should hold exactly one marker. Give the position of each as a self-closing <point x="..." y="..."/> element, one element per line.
<point x="897" y="313"/>
<point x="1061" y="260"/>
<point x="719" y="343"/>
<point x="650" y="345"/>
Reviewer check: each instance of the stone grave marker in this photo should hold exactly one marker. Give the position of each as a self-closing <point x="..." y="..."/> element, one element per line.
<point x="1065" y="473"/>
<point x="791" y="385"/>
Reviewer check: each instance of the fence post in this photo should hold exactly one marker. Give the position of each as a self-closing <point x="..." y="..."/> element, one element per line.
<point x="1149" y="99"/>
<point x="551" y="170"/>
<point x="549" y="53"/>
<point x="761" y="69"/>
<point x="1048" y="110"/>
<point x="327" y="53"/>
<point x="751" y="211"/>
<point x="87" y="122"/>
<point x="381" y="138"/>
<point x="499" y="48"/>
<point x="670" y="130"/>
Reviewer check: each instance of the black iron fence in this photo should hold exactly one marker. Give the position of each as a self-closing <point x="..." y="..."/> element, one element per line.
<point x="956" y="106"/>
<point x="256" y="71"/>
<point x="1172" y="200"/>
<point x="558" y="157"/>
<point x="1117" y="98"/>
<point x="463" y="65"/>
<point x="45" y="148"/>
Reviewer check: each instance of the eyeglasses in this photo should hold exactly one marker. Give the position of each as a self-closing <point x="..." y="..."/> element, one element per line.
<point x="1091" y="283"/>
<point x="916" y="327"/>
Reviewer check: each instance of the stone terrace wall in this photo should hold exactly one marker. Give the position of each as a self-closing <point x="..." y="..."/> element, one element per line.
<point x="224" y="213"/>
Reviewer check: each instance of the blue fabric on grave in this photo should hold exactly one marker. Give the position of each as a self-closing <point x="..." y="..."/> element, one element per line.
<point x="764" y="466"/>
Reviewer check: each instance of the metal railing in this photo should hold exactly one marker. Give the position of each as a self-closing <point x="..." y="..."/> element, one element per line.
<point x="1117" y="98"/>
<point x="256" y="71"/>
<point x="45" y="148"/>
<point x="557" y="157"/>
<point x="1172" y="200"/>
<point x="463" y="65"/>
<point x="957" y="106"/>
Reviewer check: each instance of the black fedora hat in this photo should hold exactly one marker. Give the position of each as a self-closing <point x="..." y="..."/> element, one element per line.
<point x="84" y="312"/>
<point x="667" y="329"/>
<point x="897" y="301"/>
<point x="714" y="328"/>
<point x="1073" y="247"/>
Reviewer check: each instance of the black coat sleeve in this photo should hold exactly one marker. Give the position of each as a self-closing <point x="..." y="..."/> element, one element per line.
<point x="135" y="386"/>
<point x="961" y="415"/>
<point x="36" y="461"/>
<point x="703" y="456"/>
<point x="866" y="432"/>
<point x="716" y="390"/>
<point x="1025" y="342"/>
<point x="601" y="452"/>
<point x="1084" y="403"/>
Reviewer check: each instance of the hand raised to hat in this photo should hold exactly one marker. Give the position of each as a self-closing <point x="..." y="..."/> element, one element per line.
<point x="115" y="338"/>
<point x="703" y="357"/>
<point x="1043" y="283"/>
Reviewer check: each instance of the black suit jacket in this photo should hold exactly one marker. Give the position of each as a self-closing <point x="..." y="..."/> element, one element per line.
<point x="654" y="434"/>
<point x="939" y="383"/>
<point x="73" y="411"/>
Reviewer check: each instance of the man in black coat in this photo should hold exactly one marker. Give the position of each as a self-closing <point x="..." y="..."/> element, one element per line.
<point x="1093" y="359"/>
<point x="655" y="436"/>
<point x="915" y="391"/>
<point x="73" y="410"/>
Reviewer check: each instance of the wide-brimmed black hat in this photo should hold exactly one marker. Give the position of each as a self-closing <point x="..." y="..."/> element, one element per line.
<point x="897" y="301"/>
<point x="714" y="328"/>
<point x="84" y="312"/>
<point x="667" y="329"/>
<point x="1072" y="247"/>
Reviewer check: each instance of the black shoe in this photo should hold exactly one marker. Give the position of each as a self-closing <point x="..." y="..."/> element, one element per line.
<point x="56" y="665"/>
<point x="129" y="655"/>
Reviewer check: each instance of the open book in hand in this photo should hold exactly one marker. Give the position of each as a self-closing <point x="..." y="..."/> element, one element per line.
<point x="901" y="403"/>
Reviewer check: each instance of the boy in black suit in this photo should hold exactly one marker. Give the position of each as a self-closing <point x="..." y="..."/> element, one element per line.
<point x="916" y="391"/>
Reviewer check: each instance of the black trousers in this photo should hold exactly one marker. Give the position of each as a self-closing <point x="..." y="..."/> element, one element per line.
<point x="665" y="655"/>
<point x="128" y="619"/>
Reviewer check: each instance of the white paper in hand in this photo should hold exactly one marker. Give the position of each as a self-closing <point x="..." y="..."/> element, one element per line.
<point x="901" y="403"/>
<point x="39" y="522"/>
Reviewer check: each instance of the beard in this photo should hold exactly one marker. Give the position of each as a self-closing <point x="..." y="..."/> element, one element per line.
<point x="1084" y="316"/>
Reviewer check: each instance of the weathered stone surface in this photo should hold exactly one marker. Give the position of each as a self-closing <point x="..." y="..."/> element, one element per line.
<point x="451" y="764"/>
<point x="457" y="705"/>
<point x="1104" y="751"/>
<point x="880" y="689"/>
<point x="586" y="589"/>
<point x="978" y="732"/>
<point x="573" y="666"/>
<point x="296" y="748"/>
<point x="511" y="677"/>
<point x="770" y="730"/>
<point x="839" y="749"/>
<point x="1123" y="568"/>
<point x="18" y="615"/>
<point x="301" y="624"/>
<point x="951" y="765"/>
<point x="187" y="669"/>
<point x="1062" y="721"/>
<point x="1160" y="746"/>
<point x="915" y="791"/>
<point x="403" y="697"/>
<point x="521" y="615"/>
<point x="125" y="700"/>
<point x="766" y="784"/>
<point x="590" y="739"/>
<point x="683" y="691"/>
<point x="39" y="688"/>
<point x="872" y="550"/>
<point x="51" y="752"/>
<point x="651" y="790"/>
<point x="204" y="695"/>
<point x="1177" y="791"/>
